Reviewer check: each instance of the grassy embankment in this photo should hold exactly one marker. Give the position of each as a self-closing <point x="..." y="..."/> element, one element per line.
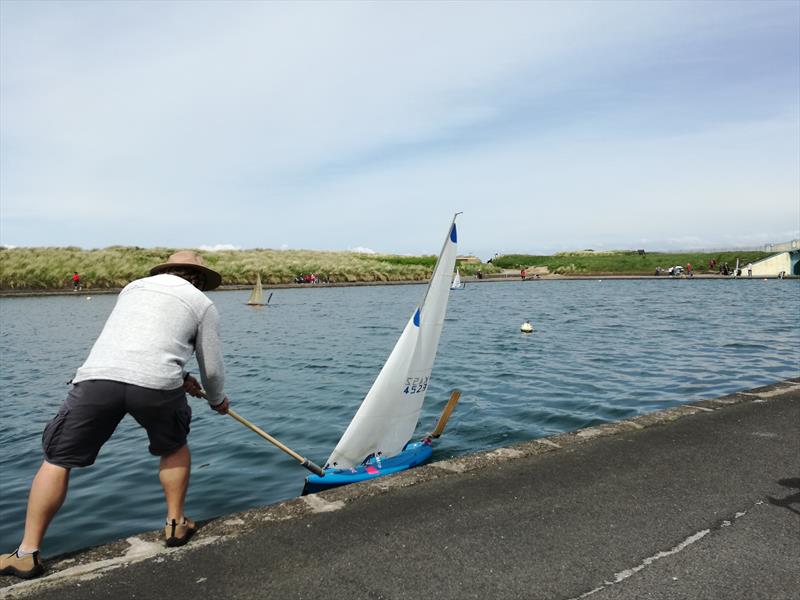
<point x="52" y="268"/>
<point x="114" y="267"/>
<point x="625" y="262"/>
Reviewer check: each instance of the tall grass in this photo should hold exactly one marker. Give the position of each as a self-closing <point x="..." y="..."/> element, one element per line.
<point x="116" y="266"/>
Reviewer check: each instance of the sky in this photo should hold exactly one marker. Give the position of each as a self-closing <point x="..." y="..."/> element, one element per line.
<point x="365" y="125"/>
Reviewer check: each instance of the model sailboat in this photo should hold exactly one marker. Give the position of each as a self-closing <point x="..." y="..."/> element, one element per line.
<point x="257" y="295"/>
<point x="457" y="285"/>
<point x="377" y="440"/>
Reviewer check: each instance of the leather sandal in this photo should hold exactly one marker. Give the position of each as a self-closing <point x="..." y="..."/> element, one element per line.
<point x="177" y="534"/>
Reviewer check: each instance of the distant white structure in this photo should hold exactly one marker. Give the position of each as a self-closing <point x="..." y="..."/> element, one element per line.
<point x="787" y="263"/>
<point x="784" y="247"/>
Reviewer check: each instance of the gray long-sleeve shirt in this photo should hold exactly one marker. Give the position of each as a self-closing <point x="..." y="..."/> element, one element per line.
<point x="156" y="325"/>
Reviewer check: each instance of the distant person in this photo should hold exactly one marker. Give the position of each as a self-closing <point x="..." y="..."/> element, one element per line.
<point x="479" y="274"/>
<point x="749" y="269"/>
<point x="76" y="281"/>
<point x="522" y="274"/>
<point x="689" y="270"/>
<point x="137" y="366"/>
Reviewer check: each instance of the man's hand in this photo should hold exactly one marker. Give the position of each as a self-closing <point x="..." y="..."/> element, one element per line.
<point x="192" y="387"/>
<point x="222" y="407"/>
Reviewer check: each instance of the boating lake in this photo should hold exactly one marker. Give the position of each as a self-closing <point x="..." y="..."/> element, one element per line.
<point x="601" y="350"/>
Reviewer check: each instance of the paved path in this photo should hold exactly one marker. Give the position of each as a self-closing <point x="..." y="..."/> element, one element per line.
<point x="696" y="502"/>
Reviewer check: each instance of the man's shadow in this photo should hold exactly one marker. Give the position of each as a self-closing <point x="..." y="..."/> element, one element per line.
<point x="791" y="499"/>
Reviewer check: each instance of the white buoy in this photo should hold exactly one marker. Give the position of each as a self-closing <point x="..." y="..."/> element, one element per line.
<point x="526" y="327"/>
<point x="88" y="297"/>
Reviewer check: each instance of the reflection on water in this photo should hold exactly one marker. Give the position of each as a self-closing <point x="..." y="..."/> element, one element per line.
<point x="601" y="351"/>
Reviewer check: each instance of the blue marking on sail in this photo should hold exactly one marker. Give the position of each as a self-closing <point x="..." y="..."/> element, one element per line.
<point x="453" y="234"/>
<point x="416" y="318"/>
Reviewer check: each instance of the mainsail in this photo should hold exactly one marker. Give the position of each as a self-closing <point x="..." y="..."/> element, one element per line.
<point x="387" y="417"/>
<point x="257" y="295"/>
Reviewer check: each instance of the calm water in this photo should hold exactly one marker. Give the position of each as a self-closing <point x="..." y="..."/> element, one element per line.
<point x="601" y="351"/>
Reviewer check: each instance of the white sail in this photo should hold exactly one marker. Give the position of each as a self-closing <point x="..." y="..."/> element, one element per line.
<point x="257" y="295"/>
<point x="388" y="416"/>
<point x="456" y="281"/>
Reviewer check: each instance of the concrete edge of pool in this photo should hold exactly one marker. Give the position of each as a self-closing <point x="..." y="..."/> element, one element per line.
<point x="68" y="572"/>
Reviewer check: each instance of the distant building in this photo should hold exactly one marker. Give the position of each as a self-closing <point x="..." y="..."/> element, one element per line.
<point x="468" y="259"/>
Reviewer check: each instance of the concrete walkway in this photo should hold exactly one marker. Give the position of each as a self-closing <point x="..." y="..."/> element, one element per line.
<point x="697" y="502"/>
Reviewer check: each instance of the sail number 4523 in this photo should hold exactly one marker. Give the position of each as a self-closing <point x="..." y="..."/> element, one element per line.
<point x="416" y="385"/>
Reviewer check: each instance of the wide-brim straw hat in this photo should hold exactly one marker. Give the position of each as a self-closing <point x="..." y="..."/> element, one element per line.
<point x="192" y="260"/>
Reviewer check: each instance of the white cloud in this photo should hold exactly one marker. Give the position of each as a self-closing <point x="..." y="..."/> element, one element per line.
<point x="219" y="247"/>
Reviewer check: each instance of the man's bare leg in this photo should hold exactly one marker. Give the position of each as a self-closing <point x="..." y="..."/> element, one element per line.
<point x="48" y="491"/>
<point x="173" y="472"/>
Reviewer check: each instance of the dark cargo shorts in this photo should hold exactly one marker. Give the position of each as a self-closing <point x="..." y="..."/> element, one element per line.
<point x="94" y="408"/>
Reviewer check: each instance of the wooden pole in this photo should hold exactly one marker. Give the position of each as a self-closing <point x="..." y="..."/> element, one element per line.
<point x="316" y="469"/>
<point x="451" y="404"/>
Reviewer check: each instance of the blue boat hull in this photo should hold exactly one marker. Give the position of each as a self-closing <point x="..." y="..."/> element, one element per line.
<point x="413" y="454"/>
